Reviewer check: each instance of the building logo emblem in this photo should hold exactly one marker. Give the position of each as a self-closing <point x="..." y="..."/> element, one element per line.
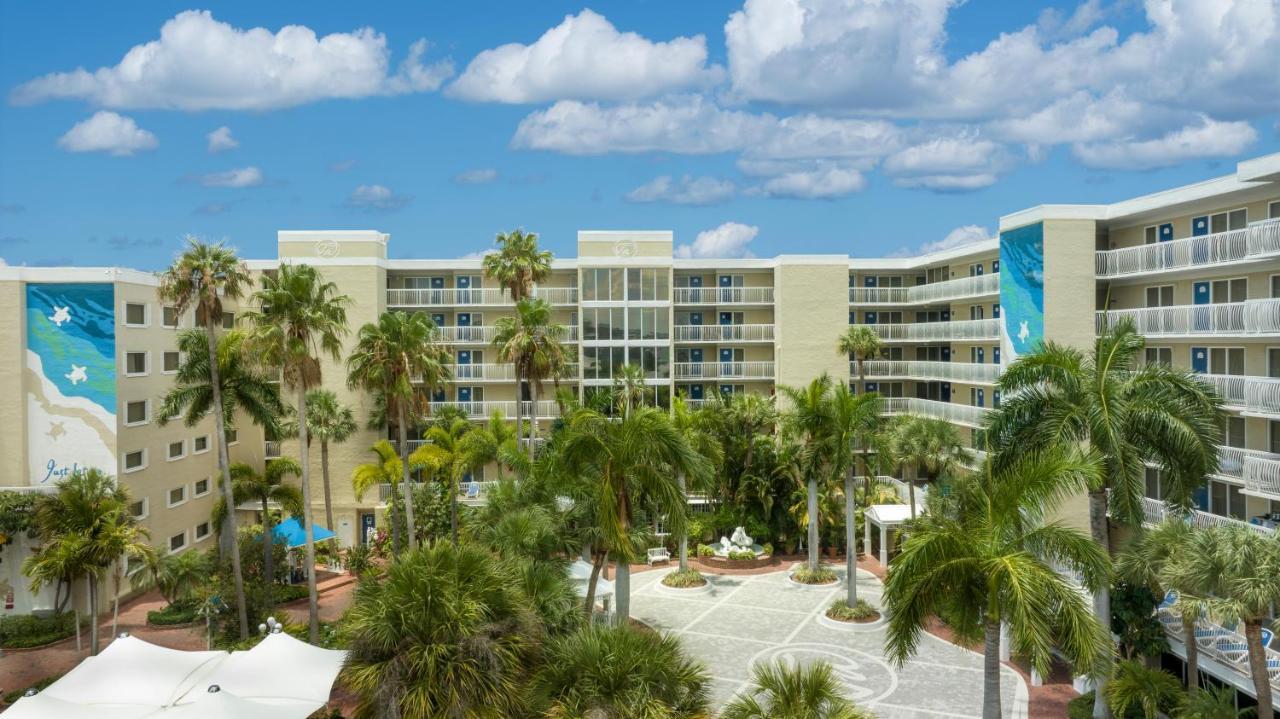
<point x="326" y="248"/>
<point x="624" y="248"/>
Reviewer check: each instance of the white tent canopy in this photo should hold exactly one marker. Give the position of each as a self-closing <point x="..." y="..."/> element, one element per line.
<point x="884" y="516"/>
<point x="279" y="678"/>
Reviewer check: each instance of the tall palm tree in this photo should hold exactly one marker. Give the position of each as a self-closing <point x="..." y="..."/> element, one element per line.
<point x="861" y="343"/>
<point x="201" y="278"/>
<point x="808" y="420"/>
<point x="753" y="415"/>
<point x="387" y="469"/>
<point x="853" y="417"/>
<point x="299" y="317"/>
<point x="639" y="454"/>
<point x="629" y="389"/>
<point x="331" y="421"/>
<point x="517" y="266"/>
<point x="445" y="453"/>
<point x="127" y="542"/>
<point x="693" y="426"/>
<point x="986" y="556"/>
<point x="1237" y="572"/>
<point x="402" y="360"/>
<point x="793" y="691"/>
<point x="1130" y="414"/>
<point x="933" y="445"/>
<point x="247" y="485"/>
<point x="63" y="560"/>
<point x="493" y="442"/>
<point x="530" y="341"/>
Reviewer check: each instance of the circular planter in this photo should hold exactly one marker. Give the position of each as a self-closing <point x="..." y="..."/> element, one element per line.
<point x="726" y="563"/>
<point x="704" y="588"/>
<point x="829" y="623"/>
<point x="802" y="585"/>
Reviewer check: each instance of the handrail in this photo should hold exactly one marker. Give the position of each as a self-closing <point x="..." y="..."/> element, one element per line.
<point x="472" y="296"/>
<point x="988" y="329"/>
<point x="724" y="333"/>
<point x="1250" y="317"/>
<point x="969" y="372"/>
<point x="723" y="370"/>
<point x="723" y="295"/>
<point x="955" y="413"/>
<point x="1258" y="240"/>
<point x="959" y="288"/>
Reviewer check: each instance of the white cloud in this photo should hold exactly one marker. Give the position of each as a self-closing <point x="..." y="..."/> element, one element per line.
<point x="2" y="262"/>
<point x="239" y="177"/>
<point x="1208" y="139"/>
<point x="585" y="58"/>
<point x="1051" y="23"/>
<point x="478" y="254"/>
<point x="220" y="140"/>
<point x="476" y="177"/>
<point x="377" y="198"/>
<point x="820" y="184"/>
<point x="686" y="190"/>
<point x="342" y="166"/>
<point x="955" y="163"/>
<point x="199" y="63"/>
<point x="728" y="240"/>
<point x="107" y="132"/>
<point x="960" y="236"/>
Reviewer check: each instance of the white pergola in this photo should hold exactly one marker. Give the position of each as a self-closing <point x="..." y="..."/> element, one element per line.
<point x="884" y="516"/>
<point x="279" y="678"/>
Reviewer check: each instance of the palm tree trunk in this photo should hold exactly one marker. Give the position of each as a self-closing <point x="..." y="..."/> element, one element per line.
<point x="519" y="406"/>
<point x="1193" y="651"/>
<point x="911" y="494"/>
<point x="597" y="563"/>
<point x="991" y="671"/>
<point x="622" y="591"/>
<point x="313" y="601"/>
<point x="453" y="507"/>
<point x="813" y="523"/>
<point x="93" y="616"/>
<point x="324" y="473"/>
<point x="268" y="545"/>
<point x="229" y="539"/>
<point x="1258" y="668"/>
<point x="404" y="478"/>
<point x="117" y="578"/>
<point x="684" y="536"/>
<point x="850" y="540"/>
<point x="533" y="416"/>
<point x="76" y="608"/>
<point x="1101" y="533"/>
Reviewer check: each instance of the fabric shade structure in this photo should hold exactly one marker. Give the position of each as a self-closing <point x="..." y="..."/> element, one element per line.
<point x="580" y="575"/>
<point x="279" y="678"/>
<point x="294" y="534"/>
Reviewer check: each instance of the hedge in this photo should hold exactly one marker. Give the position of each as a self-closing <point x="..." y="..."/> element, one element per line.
<point x="25" y="631"/>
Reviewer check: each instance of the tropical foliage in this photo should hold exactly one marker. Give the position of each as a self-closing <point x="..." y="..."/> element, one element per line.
<point x="793" y="691"/>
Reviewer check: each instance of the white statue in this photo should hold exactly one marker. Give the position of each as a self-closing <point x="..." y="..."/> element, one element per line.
<point x="725" y="544"/>
<point x="741" y="540"/>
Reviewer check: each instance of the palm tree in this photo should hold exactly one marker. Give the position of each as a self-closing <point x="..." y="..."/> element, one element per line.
<point x="984" y="556"/>
<point x="1151" y="691"/>
<point x="176" y="576"/>
<point x="793" y="691"/>
<point x="247" y="485"/>
<point x="637" y="455"/>
<point x="928" y="443"/>
<point x="1147" y="561"/>
<point x="1130" y="415"/>
<point x="861" y="343"/>
<point x="62" y="560"/>
<point x="401" y="360"/>
<point x="387" y="469"/>
<point x="1237" y="572"/>
<point x="493" y="442"/>
<point x="751" y="414"/>
<point x="201" y="278"/>
<point x="693" y="426"/>
<point x="629" y="390"/>
<point x="125" y="540"/>
<point x="623" y="673"/>
<point x="446" y="454"/>
<point x="1213" y="703"/>
<point x="809" y="421"/>
<point x="517" y="266"/>
<point x="853" y="416"/>
<point x="300" y="316"/>
<point x="530" y="341"/>
<point x="331" y="421"/>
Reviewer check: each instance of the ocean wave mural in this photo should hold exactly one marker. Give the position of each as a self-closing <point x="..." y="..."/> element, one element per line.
<point x="1022" y="289"/>
<point x="70" y="379"/>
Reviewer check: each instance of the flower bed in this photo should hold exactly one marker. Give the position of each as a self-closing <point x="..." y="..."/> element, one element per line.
<point x="860" y="613"/>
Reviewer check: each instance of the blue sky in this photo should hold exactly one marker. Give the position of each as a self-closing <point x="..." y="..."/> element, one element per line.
<point x="754" y="127"/>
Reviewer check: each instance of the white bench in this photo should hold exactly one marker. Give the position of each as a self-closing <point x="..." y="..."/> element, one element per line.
<point x="658" y="554"/>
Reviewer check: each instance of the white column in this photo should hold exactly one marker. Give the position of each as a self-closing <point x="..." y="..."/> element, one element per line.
<point x="884" y="547"/>
<point x="1004" y="642"/>
<point x="866" y="534"/>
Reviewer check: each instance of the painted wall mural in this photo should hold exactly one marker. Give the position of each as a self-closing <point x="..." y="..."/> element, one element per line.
<point x="1022" y="289"/>
<point x="70" y="379"/>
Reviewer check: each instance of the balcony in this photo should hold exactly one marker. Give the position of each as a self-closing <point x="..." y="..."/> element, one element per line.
<point x="723" y="370"/>
<point x="1256" y="396"/>
<point x="1262" y="477"/>
<point x="1259" y="240"/>
<point x="963" y="414"/>
<point x="1251" y="318"/>
<point x="934" y="292"/>
<point x="1219" y="645"/>
<point x="939" y="331"/>
<point x="477" y="297"/>
<point x="724" y="333"/>
<point x="723" y="295"/>
<point x="479" y="334"/>
<point x="271" y="449"/>
<point x="1155" y="511"/>
<point x="966" y="372"/>
<point x="483" y="409"/>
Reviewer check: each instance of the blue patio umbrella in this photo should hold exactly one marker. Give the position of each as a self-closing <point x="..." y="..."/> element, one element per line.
<point x="293" y="534"/>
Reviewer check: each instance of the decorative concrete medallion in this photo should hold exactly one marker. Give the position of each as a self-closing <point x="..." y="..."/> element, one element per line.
<point x="327" y="248"/>
<point x="867" y="678"/>
<point x="624" y="248"/>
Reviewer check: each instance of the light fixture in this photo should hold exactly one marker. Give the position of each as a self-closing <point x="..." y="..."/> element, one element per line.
<point x="214" y="688"/>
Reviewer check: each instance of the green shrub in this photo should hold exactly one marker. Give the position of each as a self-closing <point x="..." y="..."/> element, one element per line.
<point x="28" y="630"/>
<point x="1082" y="708"/>
<point x="179" y="612"/>
<point x="285" y="593"/>
<point x="821" y="575"/>
<point x="767" y="549"/>
<point x="359" y="560"/>
<point x="705" y="551"/>
<point x="739" y="555"/>
<point x="861" y="611"/>
<point x="684" y="579"/>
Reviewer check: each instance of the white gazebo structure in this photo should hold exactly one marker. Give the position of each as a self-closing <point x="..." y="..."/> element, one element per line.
<point x="580" y="575"/>
<point x="884" y="516"/>
<point x="279" y="678"/>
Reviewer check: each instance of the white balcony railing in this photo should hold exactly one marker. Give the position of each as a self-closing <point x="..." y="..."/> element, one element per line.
<point x="724" y="333"/>
<point x="1155" y="511"/>
<point x="1258" y="396"/>
<point x="955" y="413"/>
<point x="478" y="296"/>
<point x="1258" y="240"/>
<point x="724" y="370"/>
<point x="484" y="372"/>
<point x="939" y="331"/>
<point x="1230" y="319"/>
<point x="483" y="409"/>
<point x="723" y="295"/>
<point x="966" y="372"/>
<point x="1231" y="460"/>
<point x="1262" y="477"/>
<point x="961" y="288"/>
<point x="483" y="334"/>
<point x="271" y="449"/>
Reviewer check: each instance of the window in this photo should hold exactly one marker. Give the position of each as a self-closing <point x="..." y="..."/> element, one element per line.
<point x="1153" y="483"/>
<point x="975" y="312"/>
<point x="1226" y="360"/>
<point x="655" y="361"/>
<point x="1233" y="432"/>
<point x="1233" y="220"/>
<point x="232" y="436"/>
<point x="169" y="361"/>
<point x="602" y="323"/>
<point x="1159" y="355"/>
<point x="601" y="362"/>
<point x="1236" y="290"/>
<point x="177" y="450"/>
<point x="1275" y="286"/>
<point x="177" y="495"/>
<point x="1273" y="210"/>
<point x="177" y="542"/>
<point x="228" y="320"/>
<point x="169" y="317"/>
<point x="648" y="323"/>
<point x="647" y="285"/>
<point x="202" y="531"/>
<point x="135" y="363"/>
<point x="135" y="460"/>
<point x="200" y="445"/>
<point x="602" y="285"/>
<point x="137" y="412"/>
<point x="1150" y="235"/>
<point x="200" y="488"/>
<point x="135" y="314"/>
<point x="138" y="510"/>
<point x="1225" y="500"/>
<point x="1161" y="296"/>
<point x="1273" y="435"/>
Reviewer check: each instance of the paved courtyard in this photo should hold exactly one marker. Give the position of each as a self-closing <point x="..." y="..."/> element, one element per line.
<point x="742" y="620"/>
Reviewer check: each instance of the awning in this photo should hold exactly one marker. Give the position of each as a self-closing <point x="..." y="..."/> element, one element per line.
<point x="293" y="534"/>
